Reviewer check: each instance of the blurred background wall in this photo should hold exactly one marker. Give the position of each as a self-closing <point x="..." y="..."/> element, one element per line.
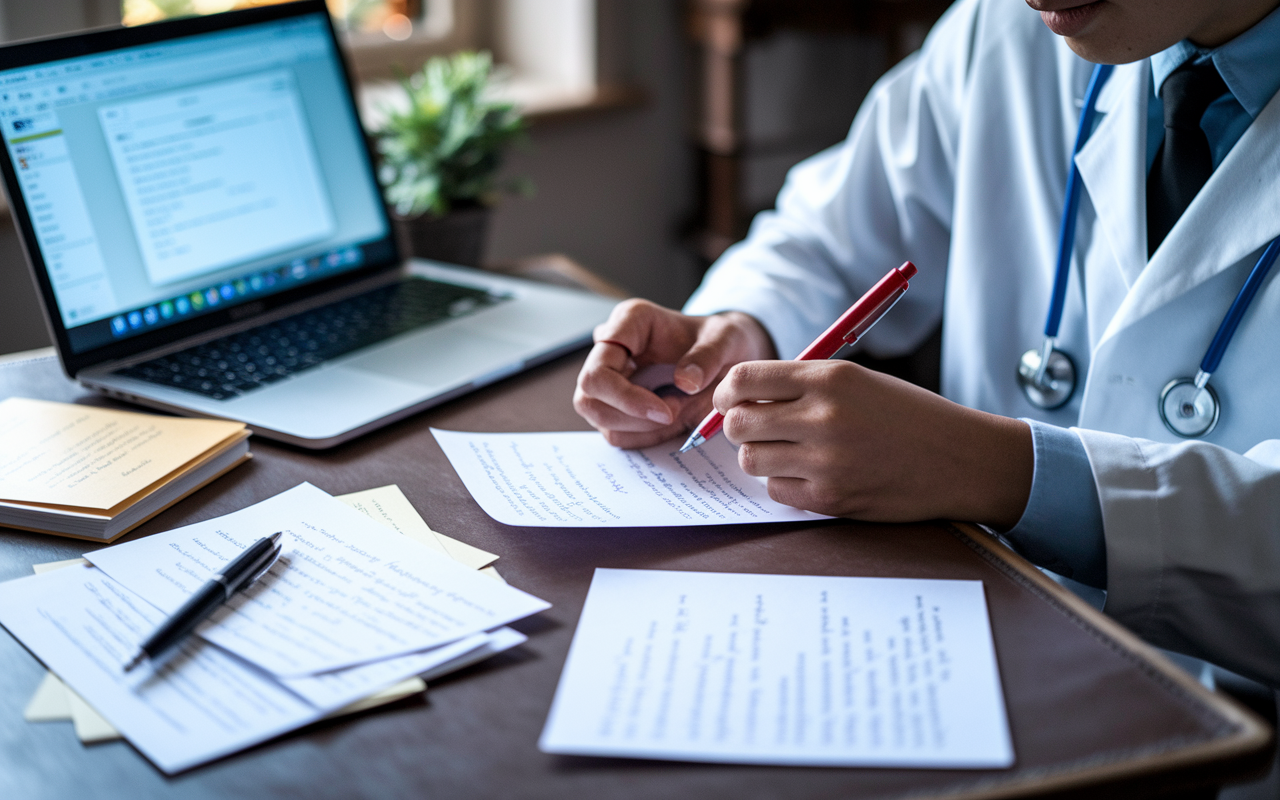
<point x="624" y="174"/>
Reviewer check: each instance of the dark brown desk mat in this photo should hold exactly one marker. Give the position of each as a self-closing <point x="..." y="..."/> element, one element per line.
<point x="1087" y="704"/>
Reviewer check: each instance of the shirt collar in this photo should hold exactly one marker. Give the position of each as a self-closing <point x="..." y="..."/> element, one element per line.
<point x="1249" y="63"/>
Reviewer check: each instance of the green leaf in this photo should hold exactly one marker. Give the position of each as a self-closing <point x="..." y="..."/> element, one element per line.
<point x="446" y="146"/>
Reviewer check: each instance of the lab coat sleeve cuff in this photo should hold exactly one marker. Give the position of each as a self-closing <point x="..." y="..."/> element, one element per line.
<point x="1193" y="547"/>
<point x="1061" y="528"/>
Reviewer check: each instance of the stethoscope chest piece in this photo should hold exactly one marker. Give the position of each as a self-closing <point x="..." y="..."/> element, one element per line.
<point x="1051" y="388"/>
<point x="1188" y="410"/>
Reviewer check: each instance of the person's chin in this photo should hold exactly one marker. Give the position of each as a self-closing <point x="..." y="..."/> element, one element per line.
<point x="1069" y="21"/>
<point x="1090" y="29"/>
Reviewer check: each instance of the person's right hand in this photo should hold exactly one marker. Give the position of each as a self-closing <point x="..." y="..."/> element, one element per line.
<point x="639" y="334"/>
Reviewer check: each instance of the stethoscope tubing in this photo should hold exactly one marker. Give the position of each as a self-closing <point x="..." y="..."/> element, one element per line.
<point x="1067" y="230"/>
<point x="1218" y="347"/>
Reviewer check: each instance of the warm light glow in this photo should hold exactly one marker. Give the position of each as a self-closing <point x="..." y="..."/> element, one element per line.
<point x="398" y="27"/>
<point x="394" y="18"/>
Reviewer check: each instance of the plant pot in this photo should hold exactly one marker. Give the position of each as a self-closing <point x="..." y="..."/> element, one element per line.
<point x="456" y="238"/>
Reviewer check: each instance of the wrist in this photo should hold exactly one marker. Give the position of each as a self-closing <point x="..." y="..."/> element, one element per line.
<point x="759" y="344"/>
<point x="993" y="484"/>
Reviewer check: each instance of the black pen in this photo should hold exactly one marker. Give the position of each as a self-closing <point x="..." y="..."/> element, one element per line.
<point x="239" y="574"/>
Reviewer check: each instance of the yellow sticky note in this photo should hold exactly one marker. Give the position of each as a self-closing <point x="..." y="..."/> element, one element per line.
<point x="388" y="505"/>
<point x="49" y="703"/>
<point x="91" y="728"/>
<point x="94" y="458"/>
<point x="41" y="569"/>
<point x="397" y="691"/>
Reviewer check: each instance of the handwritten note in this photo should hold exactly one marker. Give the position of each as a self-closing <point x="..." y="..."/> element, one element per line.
<point x="205" y="704"/>
<point x="346" y="590"/>
<point x="388" y="506"/>
<point x="578" y="480"/>
<point x="782" y="669"/>
<point x="94" y="458"/>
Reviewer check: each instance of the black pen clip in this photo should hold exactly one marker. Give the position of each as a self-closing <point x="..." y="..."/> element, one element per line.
<point x="270" y="562"/>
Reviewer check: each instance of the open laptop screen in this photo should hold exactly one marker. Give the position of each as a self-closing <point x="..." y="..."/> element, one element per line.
<point x="180" y="178"/>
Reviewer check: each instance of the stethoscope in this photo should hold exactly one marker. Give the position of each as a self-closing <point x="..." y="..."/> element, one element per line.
<point x="1189" y="407"/>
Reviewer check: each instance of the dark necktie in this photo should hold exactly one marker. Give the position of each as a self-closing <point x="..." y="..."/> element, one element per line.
<point x="1183" y="162"/>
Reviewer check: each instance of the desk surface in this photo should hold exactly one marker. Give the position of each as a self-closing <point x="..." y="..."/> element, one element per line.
<point x="1084" y="703"/>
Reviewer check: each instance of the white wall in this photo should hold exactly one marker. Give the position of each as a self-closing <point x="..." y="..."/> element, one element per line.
<point x="615" y="188"/>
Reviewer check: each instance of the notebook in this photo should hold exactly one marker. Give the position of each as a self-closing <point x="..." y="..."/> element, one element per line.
<point x="199" y="209"/>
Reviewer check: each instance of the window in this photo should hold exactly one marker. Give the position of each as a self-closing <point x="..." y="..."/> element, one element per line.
<point x="395" y="19"/>
<point x="547" y="48"/>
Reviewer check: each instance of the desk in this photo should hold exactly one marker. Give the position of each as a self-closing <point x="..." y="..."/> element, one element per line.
<point x="1085" y="707"/>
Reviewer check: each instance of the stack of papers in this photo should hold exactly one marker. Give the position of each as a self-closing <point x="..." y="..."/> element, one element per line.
<point x="95" y="473"/>
<point x="350" y="609"/>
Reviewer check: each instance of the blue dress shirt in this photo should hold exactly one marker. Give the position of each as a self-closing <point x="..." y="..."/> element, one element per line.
<point x="1061" y="528"/>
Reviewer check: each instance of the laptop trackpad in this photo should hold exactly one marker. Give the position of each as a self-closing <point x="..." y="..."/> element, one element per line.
<point x="438" y="358"/>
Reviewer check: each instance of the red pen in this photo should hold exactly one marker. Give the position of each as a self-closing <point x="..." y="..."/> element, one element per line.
<point x="848" y="329"/>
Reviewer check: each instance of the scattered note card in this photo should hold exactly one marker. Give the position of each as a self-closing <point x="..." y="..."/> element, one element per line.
<point x="81" y="624"/>
<point x="345" y="590"/>
<point x="782" y="669"/>
<point x="578" y="480"/>
<point x="387" y="505"/>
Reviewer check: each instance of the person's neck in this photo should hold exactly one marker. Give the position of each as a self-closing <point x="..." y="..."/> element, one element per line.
<point x="1234" y="19"/>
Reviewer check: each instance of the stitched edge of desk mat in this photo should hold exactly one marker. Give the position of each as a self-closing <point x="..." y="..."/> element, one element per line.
<point x="1128" y="763"/>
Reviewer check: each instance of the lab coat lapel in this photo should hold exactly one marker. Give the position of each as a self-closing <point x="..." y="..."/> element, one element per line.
<point x="1112" y="166"/>
<point x="1234" y="215"/>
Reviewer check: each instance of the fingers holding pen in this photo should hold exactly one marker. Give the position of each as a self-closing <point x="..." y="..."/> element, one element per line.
<point x="772" y="401"/>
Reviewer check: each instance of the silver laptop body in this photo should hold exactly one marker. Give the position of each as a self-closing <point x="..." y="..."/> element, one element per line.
<point x="197" y="202"/>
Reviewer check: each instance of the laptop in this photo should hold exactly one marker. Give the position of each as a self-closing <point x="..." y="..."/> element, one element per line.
<point x="198" y="207"/>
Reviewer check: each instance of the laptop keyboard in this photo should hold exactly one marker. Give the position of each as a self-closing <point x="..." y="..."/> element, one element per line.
<point x="239" y="363"/>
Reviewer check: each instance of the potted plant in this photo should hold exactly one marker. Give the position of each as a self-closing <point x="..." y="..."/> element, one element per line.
<point x="440" y="157"/>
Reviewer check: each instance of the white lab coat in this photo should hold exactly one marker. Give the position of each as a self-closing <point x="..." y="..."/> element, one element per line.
<point x="958" y="162"/>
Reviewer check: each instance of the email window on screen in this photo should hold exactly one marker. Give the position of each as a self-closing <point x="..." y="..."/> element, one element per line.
<point x="217" y="174"/>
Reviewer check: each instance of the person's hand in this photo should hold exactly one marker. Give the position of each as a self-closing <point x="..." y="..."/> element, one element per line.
<point x="840" y="439"/>
<point x="640" y="334"/>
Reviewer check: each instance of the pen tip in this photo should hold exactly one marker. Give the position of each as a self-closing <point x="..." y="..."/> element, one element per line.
<point x="135" y="661"/>
<point x="686" y="447"/>
<point x="275" y="537"/>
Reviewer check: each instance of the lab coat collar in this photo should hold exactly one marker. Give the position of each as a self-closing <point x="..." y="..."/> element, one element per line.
<point x="1112" y="166"/>
<point x="1235" y="214"/>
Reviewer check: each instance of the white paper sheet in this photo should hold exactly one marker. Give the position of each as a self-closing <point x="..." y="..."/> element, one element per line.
<point x="205" y="704"/>
<point x="782" y="669"/>
<point x="345" y="686"/>
<point x="347" y="590"/>
<point x="578" y="480"/>
<point x="499" y="641"/>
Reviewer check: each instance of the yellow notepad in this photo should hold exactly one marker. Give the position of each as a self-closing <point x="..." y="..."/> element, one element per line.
<point x="95" y="473"/>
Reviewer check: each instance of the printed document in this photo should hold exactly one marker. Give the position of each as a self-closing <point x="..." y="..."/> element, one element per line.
<point x="578" y="480"/>
<point x="782" y="669"/>
<point x="345" y="591"/>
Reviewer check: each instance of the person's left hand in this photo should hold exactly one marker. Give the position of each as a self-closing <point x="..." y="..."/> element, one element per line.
<point x="840" y="439"/>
